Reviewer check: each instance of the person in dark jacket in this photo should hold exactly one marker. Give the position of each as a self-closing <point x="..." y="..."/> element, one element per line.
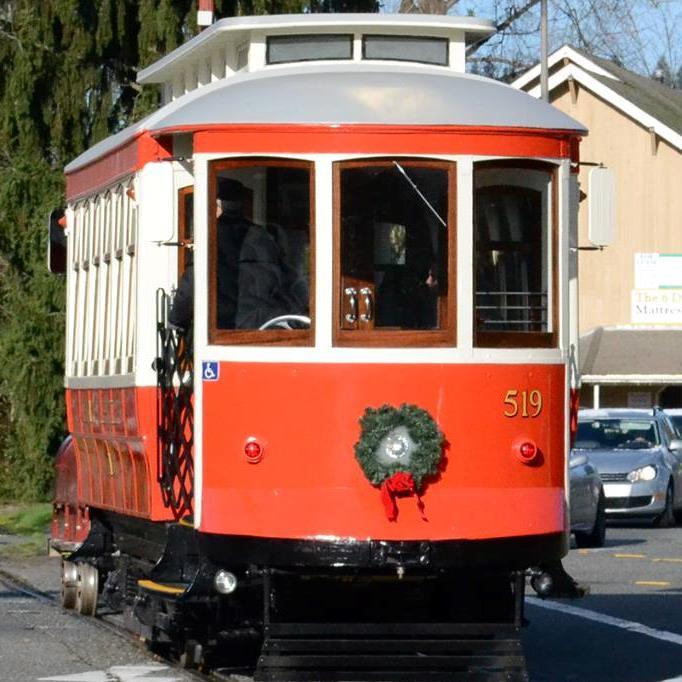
<point x="182" y="308"/>
<point x="255" y="279"/>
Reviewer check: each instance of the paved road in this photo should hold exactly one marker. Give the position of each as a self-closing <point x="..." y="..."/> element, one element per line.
<point x="629" y="628"/>
<point x="41" y="641"/>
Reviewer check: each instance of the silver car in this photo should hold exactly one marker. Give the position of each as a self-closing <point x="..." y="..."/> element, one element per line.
<point x="639" y="459"/>
<point x="588" y="504"/>
<point x="675" y="416"/>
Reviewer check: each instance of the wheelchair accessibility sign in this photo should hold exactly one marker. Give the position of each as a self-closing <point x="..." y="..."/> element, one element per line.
<point x="210" y="371"/>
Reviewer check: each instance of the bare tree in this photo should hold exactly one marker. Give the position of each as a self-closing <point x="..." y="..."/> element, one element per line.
<point x="634" y="33"/>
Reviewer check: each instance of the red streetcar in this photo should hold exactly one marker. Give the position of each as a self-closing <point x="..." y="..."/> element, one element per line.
<point x="319" y="353"/>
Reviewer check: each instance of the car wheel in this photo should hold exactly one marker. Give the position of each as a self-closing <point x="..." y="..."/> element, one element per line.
<point x="678" y="516"/>
<point x="667" y="518"/>
<point x="597" y="536"/>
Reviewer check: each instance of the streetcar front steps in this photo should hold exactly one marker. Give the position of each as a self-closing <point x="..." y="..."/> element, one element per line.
<point x="391" y="652"/>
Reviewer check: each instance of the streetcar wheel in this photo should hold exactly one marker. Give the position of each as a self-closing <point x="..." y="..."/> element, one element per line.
<point x="68" y="589"/>
<point x="667" y="518"/>
<point x="87" y="589"/>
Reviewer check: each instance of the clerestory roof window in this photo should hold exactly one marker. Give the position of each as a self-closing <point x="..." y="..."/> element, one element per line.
<point x="424" y="50"/>
<point x="306" y="47"/>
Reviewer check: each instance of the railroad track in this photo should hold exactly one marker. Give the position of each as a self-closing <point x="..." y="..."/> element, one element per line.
<point x="105" y="621"/>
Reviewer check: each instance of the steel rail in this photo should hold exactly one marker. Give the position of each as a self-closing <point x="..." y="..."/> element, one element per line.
<point x="18" y="584"/>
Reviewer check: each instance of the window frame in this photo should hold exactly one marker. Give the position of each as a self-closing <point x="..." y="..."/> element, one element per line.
<point x="255" y="337"/>
<point x="446" y="335"/>
<point x="520" y="339"/>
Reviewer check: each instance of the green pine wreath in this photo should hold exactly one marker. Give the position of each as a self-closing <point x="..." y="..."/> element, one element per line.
<point x="378" y="423"/>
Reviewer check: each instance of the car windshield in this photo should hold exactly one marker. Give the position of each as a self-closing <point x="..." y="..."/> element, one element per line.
<point x="616" y="434"/>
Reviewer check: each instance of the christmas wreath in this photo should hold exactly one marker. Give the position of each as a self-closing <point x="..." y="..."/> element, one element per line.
<point x="397" y="450"/>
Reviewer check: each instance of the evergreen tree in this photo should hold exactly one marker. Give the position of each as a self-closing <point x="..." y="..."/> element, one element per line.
<point x="67" y="72"/>
<point x="67" y="79"/>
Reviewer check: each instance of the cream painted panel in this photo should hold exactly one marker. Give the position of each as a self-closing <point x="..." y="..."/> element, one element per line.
<point x="648" y="205"/>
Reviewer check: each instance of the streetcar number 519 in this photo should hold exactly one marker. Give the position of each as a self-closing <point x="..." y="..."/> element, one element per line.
<point x="523" y="403"/>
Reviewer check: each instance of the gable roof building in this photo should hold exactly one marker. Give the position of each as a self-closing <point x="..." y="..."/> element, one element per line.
<point x="631" y="291"/>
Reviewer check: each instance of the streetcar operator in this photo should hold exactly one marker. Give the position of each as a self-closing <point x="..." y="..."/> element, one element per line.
<point x="255" y="280"/>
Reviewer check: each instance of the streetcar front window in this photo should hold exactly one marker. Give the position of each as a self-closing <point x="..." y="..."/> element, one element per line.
<point x="394" y="233"/>
<point x="260" y="251"/>
<point x="513" y="228"/>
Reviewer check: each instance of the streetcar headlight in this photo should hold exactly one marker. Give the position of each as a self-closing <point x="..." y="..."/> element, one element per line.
<point x="396" y="446"/>
<point x="647" y="473"/>
<point x="225" y="582"/>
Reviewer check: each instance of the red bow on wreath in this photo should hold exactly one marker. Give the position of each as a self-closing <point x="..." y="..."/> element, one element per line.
<point x="401" y="484"/>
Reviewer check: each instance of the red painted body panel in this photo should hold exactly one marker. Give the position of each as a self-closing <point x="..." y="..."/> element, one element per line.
<point x="114" y="437"/>
<point x="380" y="139"/>
<point x="70" y="518"/>
<point x="309" y="484"/>
<point x="124" y="160"/>
<point x="134" y="153"/>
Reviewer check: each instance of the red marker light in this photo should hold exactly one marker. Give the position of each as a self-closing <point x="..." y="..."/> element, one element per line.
<point x="528" y="451"/>
<point x="253" y="451"/>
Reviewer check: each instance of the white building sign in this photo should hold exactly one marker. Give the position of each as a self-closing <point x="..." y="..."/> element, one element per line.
<point x="657" y="296"/>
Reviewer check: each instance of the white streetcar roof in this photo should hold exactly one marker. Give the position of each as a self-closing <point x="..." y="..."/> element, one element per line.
<point x="350" y="94"/>
<point x="345" y="95"/>
<point x="237" y="29"/>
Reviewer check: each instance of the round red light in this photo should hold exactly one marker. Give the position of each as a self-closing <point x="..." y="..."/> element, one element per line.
<point x="528" y="451"/>
<point x="253" y="451"/>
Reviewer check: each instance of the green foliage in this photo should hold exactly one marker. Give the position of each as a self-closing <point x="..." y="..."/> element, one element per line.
<point x="25" y="520"/>
<point x="378" y="423"/>
<point x="67" y="72"/>
<point x="30" y="524"/>
<point x="67" y="79"/>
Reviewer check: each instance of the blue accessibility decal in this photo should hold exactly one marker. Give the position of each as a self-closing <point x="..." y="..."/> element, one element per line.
<point x="210" y="371"/>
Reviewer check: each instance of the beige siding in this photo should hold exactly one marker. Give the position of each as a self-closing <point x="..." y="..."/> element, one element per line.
<point x="649" y="205"/>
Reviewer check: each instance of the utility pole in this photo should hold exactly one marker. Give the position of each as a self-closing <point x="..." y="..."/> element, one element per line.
<point x="544" y="50"/>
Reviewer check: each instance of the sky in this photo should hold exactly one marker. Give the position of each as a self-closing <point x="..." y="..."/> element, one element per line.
<point x="637" y="33"/>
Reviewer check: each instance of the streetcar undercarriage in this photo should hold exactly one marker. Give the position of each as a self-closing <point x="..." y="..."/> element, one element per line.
<point x="298" y="607"/>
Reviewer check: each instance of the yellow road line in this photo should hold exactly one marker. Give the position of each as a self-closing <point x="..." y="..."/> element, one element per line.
<point x="630" y="556"/>
<point x="652" y="583"/>
<point x="667" y="561"/>
<point x="583" y="551"/>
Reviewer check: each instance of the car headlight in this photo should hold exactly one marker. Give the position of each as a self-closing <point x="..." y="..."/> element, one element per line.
<point x="647" y="473"/>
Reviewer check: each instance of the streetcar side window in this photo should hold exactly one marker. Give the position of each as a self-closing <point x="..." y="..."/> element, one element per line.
<point x="394" y="234"/>
<point x="101" y="287"/>
<point x="261" y="224"/>
<point x="514" y="255"/>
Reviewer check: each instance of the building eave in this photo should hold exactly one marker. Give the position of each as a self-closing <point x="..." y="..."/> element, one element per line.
<point x="631" y="379"/>
<point x="601" y="90"/>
